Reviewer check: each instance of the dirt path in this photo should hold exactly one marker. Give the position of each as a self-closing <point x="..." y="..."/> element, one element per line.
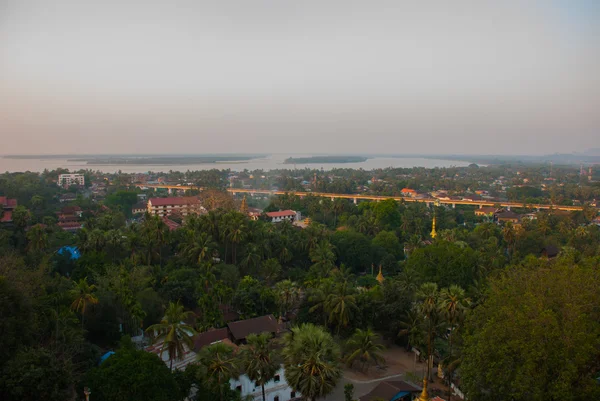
<point x="399" y="365"/>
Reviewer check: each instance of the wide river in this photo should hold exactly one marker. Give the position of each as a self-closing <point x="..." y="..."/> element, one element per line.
<point x="271" y="162"/>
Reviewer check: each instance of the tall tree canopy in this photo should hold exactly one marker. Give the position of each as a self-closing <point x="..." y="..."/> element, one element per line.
<point x="536" y="337"/>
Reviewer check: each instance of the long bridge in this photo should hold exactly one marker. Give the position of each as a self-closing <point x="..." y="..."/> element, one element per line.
<point x="356" y="197"/>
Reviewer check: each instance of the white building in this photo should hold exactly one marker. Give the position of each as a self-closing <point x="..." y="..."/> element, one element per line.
<point x="284" y="215"/>
<point x="275" y="390"/>
<point x="66" y="180"/>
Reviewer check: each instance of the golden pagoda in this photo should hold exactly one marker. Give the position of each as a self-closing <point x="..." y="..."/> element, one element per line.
<point x="244" y="206"/>
<point x="433" y="233"/>
<point x="380" y="276"/>
<point x="424" y="395"/>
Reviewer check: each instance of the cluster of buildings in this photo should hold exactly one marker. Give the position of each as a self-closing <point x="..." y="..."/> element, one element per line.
<point x="234" y="335"/>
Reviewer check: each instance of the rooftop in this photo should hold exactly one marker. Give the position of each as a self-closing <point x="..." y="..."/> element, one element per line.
<point x="281" y="213"/>
<point x="240" y="330"/>
<point x="8" y="202"/>
<point x="390" y="389"/>
<point x="209" y="337"/>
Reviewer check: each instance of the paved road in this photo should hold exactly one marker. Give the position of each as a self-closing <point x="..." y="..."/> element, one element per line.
<point x="360" y="387"/>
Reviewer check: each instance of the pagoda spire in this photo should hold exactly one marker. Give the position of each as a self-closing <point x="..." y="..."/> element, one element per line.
<point x="380" y="276"/>
<point x="433" y="232"/>
<point x="244" y="206"/>
<point x="424" y="395"/>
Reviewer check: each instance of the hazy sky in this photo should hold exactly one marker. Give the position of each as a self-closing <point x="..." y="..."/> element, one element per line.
<point x="347" y="76"/>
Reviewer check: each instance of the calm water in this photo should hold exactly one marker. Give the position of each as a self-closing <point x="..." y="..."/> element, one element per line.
<point x="269" y="163"/>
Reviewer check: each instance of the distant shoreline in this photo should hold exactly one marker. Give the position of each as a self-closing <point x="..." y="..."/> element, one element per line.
<point x="325" y="159"/>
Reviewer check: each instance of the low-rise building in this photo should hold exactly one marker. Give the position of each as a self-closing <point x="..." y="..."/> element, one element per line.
<point x="7" y="205"/>
<point x="508" y="216"/>
<point x="69" y="197"/>
<point x="67" y="180"/>
<point x="284" y="215"/>
<point x="408" y="192"/>
<point x="486" y="211"/>
<point x="185" y="205"/>
<point x="139" y="208"/>
<point x="69" y="218"/>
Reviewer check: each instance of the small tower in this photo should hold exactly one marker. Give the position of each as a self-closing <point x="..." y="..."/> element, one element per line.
<point x="424" y="396"/>
<point x="244" y="206"/>
<point x="433" y="232"/>
<point x="380" y="276"/>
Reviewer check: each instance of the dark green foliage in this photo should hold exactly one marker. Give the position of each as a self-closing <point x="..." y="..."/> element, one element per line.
<point x="131" y="375"/>
<point x="16" y="320"/>
<point x="536" y="337"/>
<point x="36" y="374"/>
<point x="353" y="249"/>
<point x="445" y="263"/>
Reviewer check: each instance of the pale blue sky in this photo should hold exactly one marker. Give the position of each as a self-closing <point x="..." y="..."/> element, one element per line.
<point x="270" y="75"/>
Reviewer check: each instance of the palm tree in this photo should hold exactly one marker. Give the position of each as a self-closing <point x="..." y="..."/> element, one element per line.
<point x="323" y="257"/>
<point x="38" y="238"/>
<point x="340" y="305"/>
<point x="175" y="333"/>
<point x="236" y="233"/>
<point x="84" y="296"/>
<point x="337" y="207"/>
<point x="318" y="296"/>
<point x="510" y="235"/>
<point x="217" y="366"/>
<point x="411" y="327"/>
<point x="197" y="247"/>
<point x="428" y="296"/>
<point x="365" y="346"/>
<point x="453" y="305"/>
<point x="252" y="258"/>
<point x="259" y="360"/>
<point x="288" y="295"/>
<point x="311" y="361"/>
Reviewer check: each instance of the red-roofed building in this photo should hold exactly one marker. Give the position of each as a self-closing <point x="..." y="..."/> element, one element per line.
<point x="184" y="206"/>
<point x="283" y="215"/>
<point x="7" y="205"/>
<point x="408" y="192"/>
<point x="173" y="225"/>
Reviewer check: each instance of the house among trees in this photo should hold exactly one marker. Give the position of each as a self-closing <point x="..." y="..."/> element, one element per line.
<point x="283" y="215"/>
<point x="7" y="206"/>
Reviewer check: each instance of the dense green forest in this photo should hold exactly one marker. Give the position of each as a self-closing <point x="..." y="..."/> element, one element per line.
<point x="486" y="300"/>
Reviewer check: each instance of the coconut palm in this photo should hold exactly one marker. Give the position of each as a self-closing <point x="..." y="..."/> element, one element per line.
<point x="217" y="366"/>
<point x="428" y="296"/>
<point x="453" y="305"/>
<point x="236" y="233"/>
<point x="318" y="296"/>
<point x="174" y="332"/>
<point x="259" y="360"/>
<point x="311" y="361"/>
<point x="288" y="294"/>
<point x="37" y="238"/>
<point x="410" y="327"/>
<point x="83" y="294"/>
<point x="323" y="257"/>
<point x="341" y="304"/>
<point x="197" y="247"/>
<point x="364" y="346"/>
<point x="270" y="269"/>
